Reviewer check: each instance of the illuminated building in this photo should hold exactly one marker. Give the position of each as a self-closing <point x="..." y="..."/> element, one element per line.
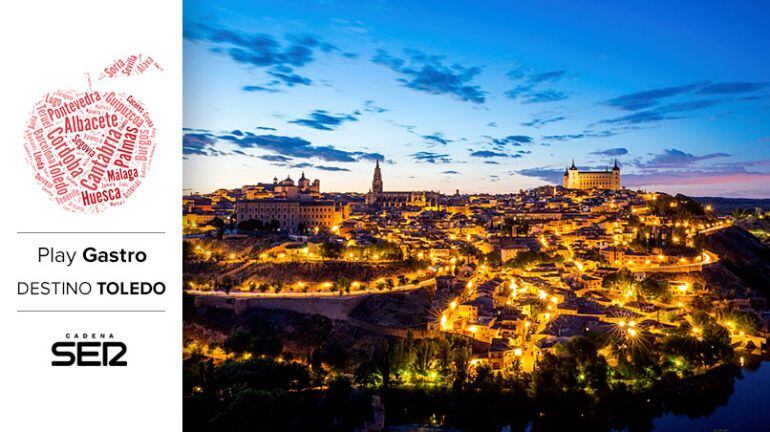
<point x="607" y="179"/>
<point x="290" y="214"/>
<point x="377" y="197"/>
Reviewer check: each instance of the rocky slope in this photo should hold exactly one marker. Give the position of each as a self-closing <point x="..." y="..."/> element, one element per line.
<point x="744" y="260"/>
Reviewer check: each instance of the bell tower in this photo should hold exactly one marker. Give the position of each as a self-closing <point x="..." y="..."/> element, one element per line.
<point x="377" y="181"/>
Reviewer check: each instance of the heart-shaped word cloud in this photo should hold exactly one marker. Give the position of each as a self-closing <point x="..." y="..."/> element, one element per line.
<point x="90" y="150"/>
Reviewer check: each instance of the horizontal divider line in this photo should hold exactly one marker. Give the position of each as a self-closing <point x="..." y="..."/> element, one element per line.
<point x="92" y="310"/>
<point x="90" y="232"/>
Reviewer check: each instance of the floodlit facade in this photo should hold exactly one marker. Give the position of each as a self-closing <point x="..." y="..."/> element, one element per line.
<point x="608" y="179"/>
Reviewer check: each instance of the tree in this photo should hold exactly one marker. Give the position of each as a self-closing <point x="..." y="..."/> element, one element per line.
<point x="316" y="361"/>
<point x="267" y="340"/>
<point x="343" y="284"/>
<point x="381" y="358"/>
<point x="334" y="354"/>
<point x="461" y="362"/>
<point x="444" y="355"/>
<point x="216" y="223"/>
<point x="250" y="225"/>
<point x="554" y="376"/>
<point x="423" y="358"/>
<point x="745" y="321"/>
<point x="653" y="289"/>
<point x="239" y="341"/>
<point x="188" y="255"/>
<point x="227" y="283"/>
<point x="331" y="250"/>
<point x="528" y="259"/>
<point x="273" y="226"/>
<point x="483" y="380"/>
<point x="368" y="375"/>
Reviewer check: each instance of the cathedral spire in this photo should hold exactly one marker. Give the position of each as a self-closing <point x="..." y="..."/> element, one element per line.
<point x="573" y="167"/>
<point x="616" y="167"/>
<point x="377" y="180"/>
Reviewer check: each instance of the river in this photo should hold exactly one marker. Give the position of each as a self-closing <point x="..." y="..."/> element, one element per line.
<point x="747" y="409"/>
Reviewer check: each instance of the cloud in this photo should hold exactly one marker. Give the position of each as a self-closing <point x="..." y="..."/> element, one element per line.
<point x="260" y="50"/>
<point x="301" y="165"/>
<point x="436" y="138"/>
<point x="275" y="158"/>
<point x="323" y="120"/>
<point x="371" y="107"/>
<point x="512" y="140"/>
<point x="649" y="98"/>
<point x="551" y="76"/>
<point x="487" y="154"/>
<point x="581" y="135"/>
<point x="330" y="168"/>
<point x="655" y="105"/>
<point x="430" y="157"/>
<point x="550" y="175"/>
<point x="529" y="88"/>
<point x="728" y="179"/>
<point x="674" y="158"/>
<point x="197" y="144"/>
<point x="265" y="128"/>
<point x="450" y="172"/>
<point x="746" y="177"/>
<point x="538" y="122"/>
<point x="732" y="87"/>
<point x="429" y="74"/>
<point x="206" y="143"/>
<point x="289" y="79"/>
<point x="350" y="26"/>
<point x="672" y="111"/>
<point x="529" y="96"/>
<point x="492" y="124"/>
<point x="619" y="151"/>
<point x="257" y="88"/>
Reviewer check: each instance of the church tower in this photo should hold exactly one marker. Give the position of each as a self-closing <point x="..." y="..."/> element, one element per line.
<point x="572" y="177"/>
<point x="377" y="181"/>
<point x="615" y="176"/>
<point x="303" y="183"/>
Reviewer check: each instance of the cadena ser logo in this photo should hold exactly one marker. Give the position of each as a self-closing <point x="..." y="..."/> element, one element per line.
<point x="89" y="349"/>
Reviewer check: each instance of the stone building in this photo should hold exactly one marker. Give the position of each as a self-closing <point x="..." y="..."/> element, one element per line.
<point x="607" y="179"/>
<point x="291" y="214"/>
<point x="377" y="197"/>
<point x="286" y="188"/>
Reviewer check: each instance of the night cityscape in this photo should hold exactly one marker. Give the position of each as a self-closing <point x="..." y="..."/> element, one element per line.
<point x="531" y="224"/>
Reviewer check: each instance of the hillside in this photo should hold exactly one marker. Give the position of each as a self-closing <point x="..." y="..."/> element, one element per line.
<point x="725" y="206"/>
<point x="743" y="256"/>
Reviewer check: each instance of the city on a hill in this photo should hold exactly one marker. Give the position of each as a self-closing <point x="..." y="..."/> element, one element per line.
<point x="581" y="305"/>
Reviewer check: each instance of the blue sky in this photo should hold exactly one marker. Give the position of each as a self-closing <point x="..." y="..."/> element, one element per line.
<point x="478" y="96"/>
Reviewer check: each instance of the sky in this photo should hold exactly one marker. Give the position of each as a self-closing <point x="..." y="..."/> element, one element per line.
<point x="480" y="96"/>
